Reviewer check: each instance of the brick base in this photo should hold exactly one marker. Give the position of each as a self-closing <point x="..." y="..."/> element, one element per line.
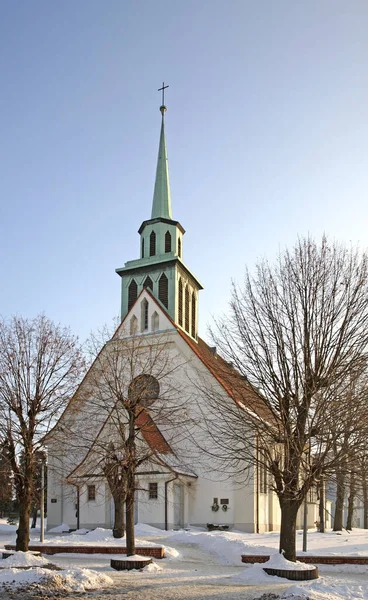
<point x="297" y="575"/>
<point x="311" y="560"/>
<point x="128" y="565"/>
<point x="154" y="551"/>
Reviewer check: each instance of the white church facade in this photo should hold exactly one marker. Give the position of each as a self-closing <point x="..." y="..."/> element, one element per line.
<point x="177" y="483"/>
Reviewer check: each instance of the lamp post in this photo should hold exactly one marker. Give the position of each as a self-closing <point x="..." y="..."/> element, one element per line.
<point x="305" y="515"/>
<point x="305" y="523"/>
<point x="42" y="500"/>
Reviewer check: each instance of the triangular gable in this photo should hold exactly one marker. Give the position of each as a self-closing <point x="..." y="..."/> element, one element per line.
<point x="151" y="434"/>
<point x="165" y="323"/>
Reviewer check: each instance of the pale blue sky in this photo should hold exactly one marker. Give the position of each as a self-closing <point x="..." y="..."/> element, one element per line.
<point x="267" y="134"/>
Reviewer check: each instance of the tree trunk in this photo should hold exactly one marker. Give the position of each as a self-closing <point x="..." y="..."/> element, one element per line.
<point x="322" y="505"/>
<point x="339" y="504"/>
<point x="22" y="540"/>
<point x="119" y="526"/>
<point x="365" y="503"/>
<point x="289" y="511"/>
<point x="34" y="517"/>
<point x="352" y="494"/>
<point x="130" y="537"/>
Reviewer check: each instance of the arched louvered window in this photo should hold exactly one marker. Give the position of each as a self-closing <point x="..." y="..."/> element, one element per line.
<point x="179" y="248"/>
<point x="155" y="322"/>
<point x="132" y="293"/>
<point x="187" y="309"/>
<point x="133" y="325"/>
<point x="163" y="290"/>
<point x="168" y="241"/>
<point x="153" y="244"/>
<point x="193" y="315"/>
<point x="148" y="283"/>
<point x="180" y="303"/>
<point x="142" y="246"/>
<point x="144" y="315"/>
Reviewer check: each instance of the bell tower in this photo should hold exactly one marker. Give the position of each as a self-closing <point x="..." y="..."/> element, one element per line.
<point x="161" y="268"/>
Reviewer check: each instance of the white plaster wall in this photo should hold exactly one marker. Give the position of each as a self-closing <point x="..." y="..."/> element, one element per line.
<point x="164" y="323"/>
<point x="152" y="511"/>
<point x="198" y="497"/>
<point x="92" y="512"/>
<point x="54" y="492"/>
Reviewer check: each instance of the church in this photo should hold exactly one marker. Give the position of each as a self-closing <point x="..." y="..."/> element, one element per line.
<point x="178" y="480"/>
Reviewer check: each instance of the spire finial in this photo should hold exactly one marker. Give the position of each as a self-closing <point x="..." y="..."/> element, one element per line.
<point x="162" y="89"/>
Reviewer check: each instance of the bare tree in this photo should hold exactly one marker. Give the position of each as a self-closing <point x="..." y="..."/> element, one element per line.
<point x="40" y="364"/>
<point x="351" y="500"/>
<point x="133" y="388"/>
<point x="297" y="332"/>
<point x="363" y="475"/>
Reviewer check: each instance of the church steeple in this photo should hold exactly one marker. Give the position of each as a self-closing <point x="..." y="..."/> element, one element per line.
<point x="160" y="267"/>
<point x="161" y="205"/>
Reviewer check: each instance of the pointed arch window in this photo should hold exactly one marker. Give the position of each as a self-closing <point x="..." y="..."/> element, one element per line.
<point x="142" y="248"/>
<point x="193" y="315"/>
<point x="180" y="303"/>
<point x="148" y="283"/>
<point x="144" y="315"/>
<point x="167" y="241"/>
<point x="163" y="290"/>
<point x="179" y="248"/>
<point x="155" y="322"/>
<point x="153" y="244"/>
<point x="132" y="293"/>
<point x="133" y="325"/>
<point x="187" y="318"/>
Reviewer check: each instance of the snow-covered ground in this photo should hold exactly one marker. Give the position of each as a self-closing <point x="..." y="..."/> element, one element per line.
<point x="208" y="562"/>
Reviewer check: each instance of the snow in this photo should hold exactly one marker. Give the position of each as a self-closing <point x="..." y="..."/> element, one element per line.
<point x="63" y="528"/>
<point x="321" y="589"/>
<point x="82" y="531"/>
<point x="79" y="580"/>
<point x="278" y="561"/>
<point x="69" y="580"/>
<point x="133" y="557"/>
<point x="23" y="559"/>
<point x="195" y="555"/>
<point x="152" y="568"/>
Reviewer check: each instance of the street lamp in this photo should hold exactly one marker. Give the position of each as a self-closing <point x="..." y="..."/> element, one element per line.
<point x="42" y="499"/>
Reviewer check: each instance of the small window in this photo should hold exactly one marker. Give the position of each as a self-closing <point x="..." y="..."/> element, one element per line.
<point x="152" y="491"/>
<point x="153" y="244"/>
<point x="91" y="492"/>
<point x="180" y="303"/>
<point x="132" y="293"/>
<point x="163" y="290"/>
<point x="179" y="248"/>
<point x="155" y="322"/>
<point x="142" y="247"/>
<point x="133" y="325"/>
<point x="168" y="241"/>
<point x="187" y="309"/>
<point x="193" y="315"/>
<point x="148" y="283"/>
<point x="144" y="315"/>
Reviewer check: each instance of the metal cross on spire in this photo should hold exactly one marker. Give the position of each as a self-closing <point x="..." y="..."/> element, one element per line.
<point x="162" y="89"/>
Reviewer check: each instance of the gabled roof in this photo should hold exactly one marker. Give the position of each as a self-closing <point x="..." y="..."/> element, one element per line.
<point x="236" y="386"/>
<point x="154" y="439"/>
<point x="226" y="375"/>
<point x="230" y="379"/>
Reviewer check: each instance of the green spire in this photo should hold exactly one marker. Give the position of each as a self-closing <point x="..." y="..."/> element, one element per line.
<point x="161" y="206"/>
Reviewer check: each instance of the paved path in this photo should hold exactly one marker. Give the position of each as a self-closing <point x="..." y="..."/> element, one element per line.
<point x="197" y="575"/>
